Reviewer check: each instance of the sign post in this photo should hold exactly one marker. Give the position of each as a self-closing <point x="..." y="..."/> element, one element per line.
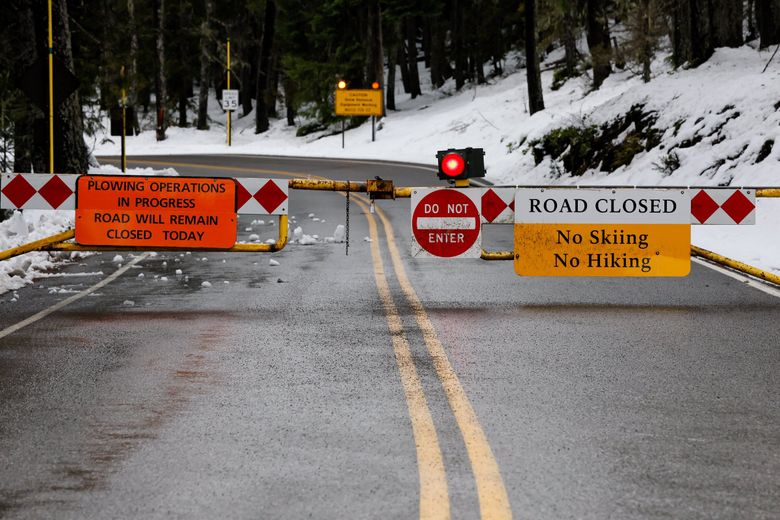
<point x="164" y="212"/>
<point x="446" y="223"/>
<point x="602" y="232"/>
<point x="230" y="113"/>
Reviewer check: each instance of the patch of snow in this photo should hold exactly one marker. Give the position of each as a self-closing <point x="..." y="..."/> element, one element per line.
<point x="272" y="262"/>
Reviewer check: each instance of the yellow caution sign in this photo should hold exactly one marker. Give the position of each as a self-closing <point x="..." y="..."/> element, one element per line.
<point x="359" y="102"/>
<point x="583" y="232"/>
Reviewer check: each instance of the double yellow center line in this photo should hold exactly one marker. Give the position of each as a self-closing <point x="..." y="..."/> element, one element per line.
<point x="434" y="495"/>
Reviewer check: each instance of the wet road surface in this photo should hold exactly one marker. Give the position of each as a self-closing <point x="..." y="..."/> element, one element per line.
<point x="374" y="385"/>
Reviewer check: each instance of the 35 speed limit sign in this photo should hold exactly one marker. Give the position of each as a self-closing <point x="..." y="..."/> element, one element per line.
<point x="229" y="99"/>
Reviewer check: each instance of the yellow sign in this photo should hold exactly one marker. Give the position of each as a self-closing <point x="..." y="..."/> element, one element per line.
<point x="602" y="232"/>
<point x="602" y="249"/>
<point x="359" y="102"/>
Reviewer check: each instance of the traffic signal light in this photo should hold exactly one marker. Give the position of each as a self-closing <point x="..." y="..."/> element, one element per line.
<point x="461" y="164"/>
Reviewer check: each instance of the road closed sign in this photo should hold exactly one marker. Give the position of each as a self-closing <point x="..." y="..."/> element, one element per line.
<point x="602" y="232"/>
<point x="164" y="212"/>
<point x="446" y="223"/>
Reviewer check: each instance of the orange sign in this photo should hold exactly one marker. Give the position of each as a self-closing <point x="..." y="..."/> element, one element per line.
<point x="166" y="212"/>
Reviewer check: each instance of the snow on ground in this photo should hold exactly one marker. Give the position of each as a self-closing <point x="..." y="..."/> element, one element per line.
<point x="718" y="118"/>
<point x="32" y="225"/>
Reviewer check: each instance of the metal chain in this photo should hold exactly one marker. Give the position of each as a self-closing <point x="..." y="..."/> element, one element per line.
<point x="346" y="241"/>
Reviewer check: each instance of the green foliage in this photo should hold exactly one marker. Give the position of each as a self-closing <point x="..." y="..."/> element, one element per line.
<point x="609" y="146"/>
<point x="669" y="163"/>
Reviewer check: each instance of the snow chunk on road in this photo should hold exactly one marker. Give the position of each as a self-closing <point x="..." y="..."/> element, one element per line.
<point x="254" y="237"/>
<point x="297" y="233"/>
<point x="128" y="303"/>
<point x="118" y="259"/>
<point x="273" y="263"/>
<point x="339" y="234"/>
<point x="205" y="284"/>
<point x="307" y="240"/>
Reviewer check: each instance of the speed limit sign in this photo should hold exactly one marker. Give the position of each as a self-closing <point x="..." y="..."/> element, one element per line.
<point x="229" y="99"/>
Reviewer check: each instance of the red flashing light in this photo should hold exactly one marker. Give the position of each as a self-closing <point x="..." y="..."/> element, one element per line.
<point x="453" y="164"/>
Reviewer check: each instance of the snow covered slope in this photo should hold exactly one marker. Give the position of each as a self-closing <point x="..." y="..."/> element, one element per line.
<point x="715" y="125"/>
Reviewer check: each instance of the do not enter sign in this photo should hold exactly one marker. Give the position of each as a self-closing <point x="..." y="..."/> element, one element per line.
<point x="446" y="223"/>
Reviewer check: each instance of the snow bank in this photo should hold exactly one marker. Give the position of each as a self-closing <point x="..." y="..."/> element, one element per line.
<point x="30" y="225"/>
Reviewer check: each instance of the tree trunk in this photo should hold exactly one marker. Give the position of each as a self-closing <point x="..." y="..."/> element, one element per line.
<point x="598" y="41"/>
<point x="701" y="31"/>
<point x="246" y="92"/>
<point x="535" y="96"/>
<point x="727" y="23"/>
<point x="205" y="43"/>
<point x="571" y="56"/>
<point x="751" y="21"/>
<point x="132" y="90"/>
<point x="23" y="119"/>
<point x="289" y="100"/>
<point x="391" y="66"/>
<point x="681" y="32"/>
<point x="438" y="58"/>
<point x="375" y="70"/>
<point x="272" y="89"/>
<point x="161" y="93"/>
<point x="411" y="54"/>
<point x="457" y="43"/>
<point x="645" y="30"/>
<point x="108" y="24"/>
<point x="768" y="21"/>
<point x="403" y="64"/>
<point x="261" y="114"/>
<point x="70" y="151"/>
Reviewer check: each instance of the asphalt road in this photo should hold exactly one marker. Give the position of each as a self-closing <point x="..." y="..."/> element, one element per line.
<point x="374" y="385"/>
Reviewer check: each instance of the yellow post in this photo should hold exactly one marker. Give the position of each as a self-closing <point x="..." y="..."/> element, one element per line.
<point x="229" y="112"/>
<point x="124" y="120"/>
<point x="51" y="95"/>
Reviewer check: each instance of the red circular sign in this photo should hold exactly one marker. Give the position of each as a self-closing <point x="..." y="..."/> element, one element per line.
<point x="446" y="223"/>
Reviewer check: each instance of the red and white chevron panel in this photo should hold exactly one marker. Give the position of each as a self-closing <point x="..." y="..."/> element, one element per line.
<point x="498" y="206"/>
<point x="726" y="206"/>
<point x="261" y="196"/>
<point x="38" y="191"/>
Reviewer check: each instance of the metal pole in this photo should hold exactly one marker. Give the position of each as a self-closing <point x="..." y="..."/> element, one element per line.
<point x="51" y="94"/>
<point x="373" y="128"/>
<point x="124" y="124"/>
<point x="342" y="132"/>
<point x="229" y="112"/>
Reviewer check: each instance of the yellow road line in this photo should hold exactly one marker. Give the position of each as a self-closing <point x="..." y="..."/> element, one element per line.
<point x="434" y="497"/>
<point x="218" y="168"/>
<point x="493" y="499"/>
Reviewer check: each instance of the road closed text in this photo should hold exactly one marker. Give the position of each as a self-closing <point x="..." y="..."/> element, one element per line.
<point x="594" y="232"/>
<point x="153" y="212"/>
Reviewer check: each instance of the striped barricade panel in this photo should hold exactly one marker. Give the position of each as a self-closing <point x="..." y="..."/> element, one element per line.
<point x="498" y="206"/>
<point x="38" y="191"/>
<point x="725" y="206"/>
<point x="261" y="196"/>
